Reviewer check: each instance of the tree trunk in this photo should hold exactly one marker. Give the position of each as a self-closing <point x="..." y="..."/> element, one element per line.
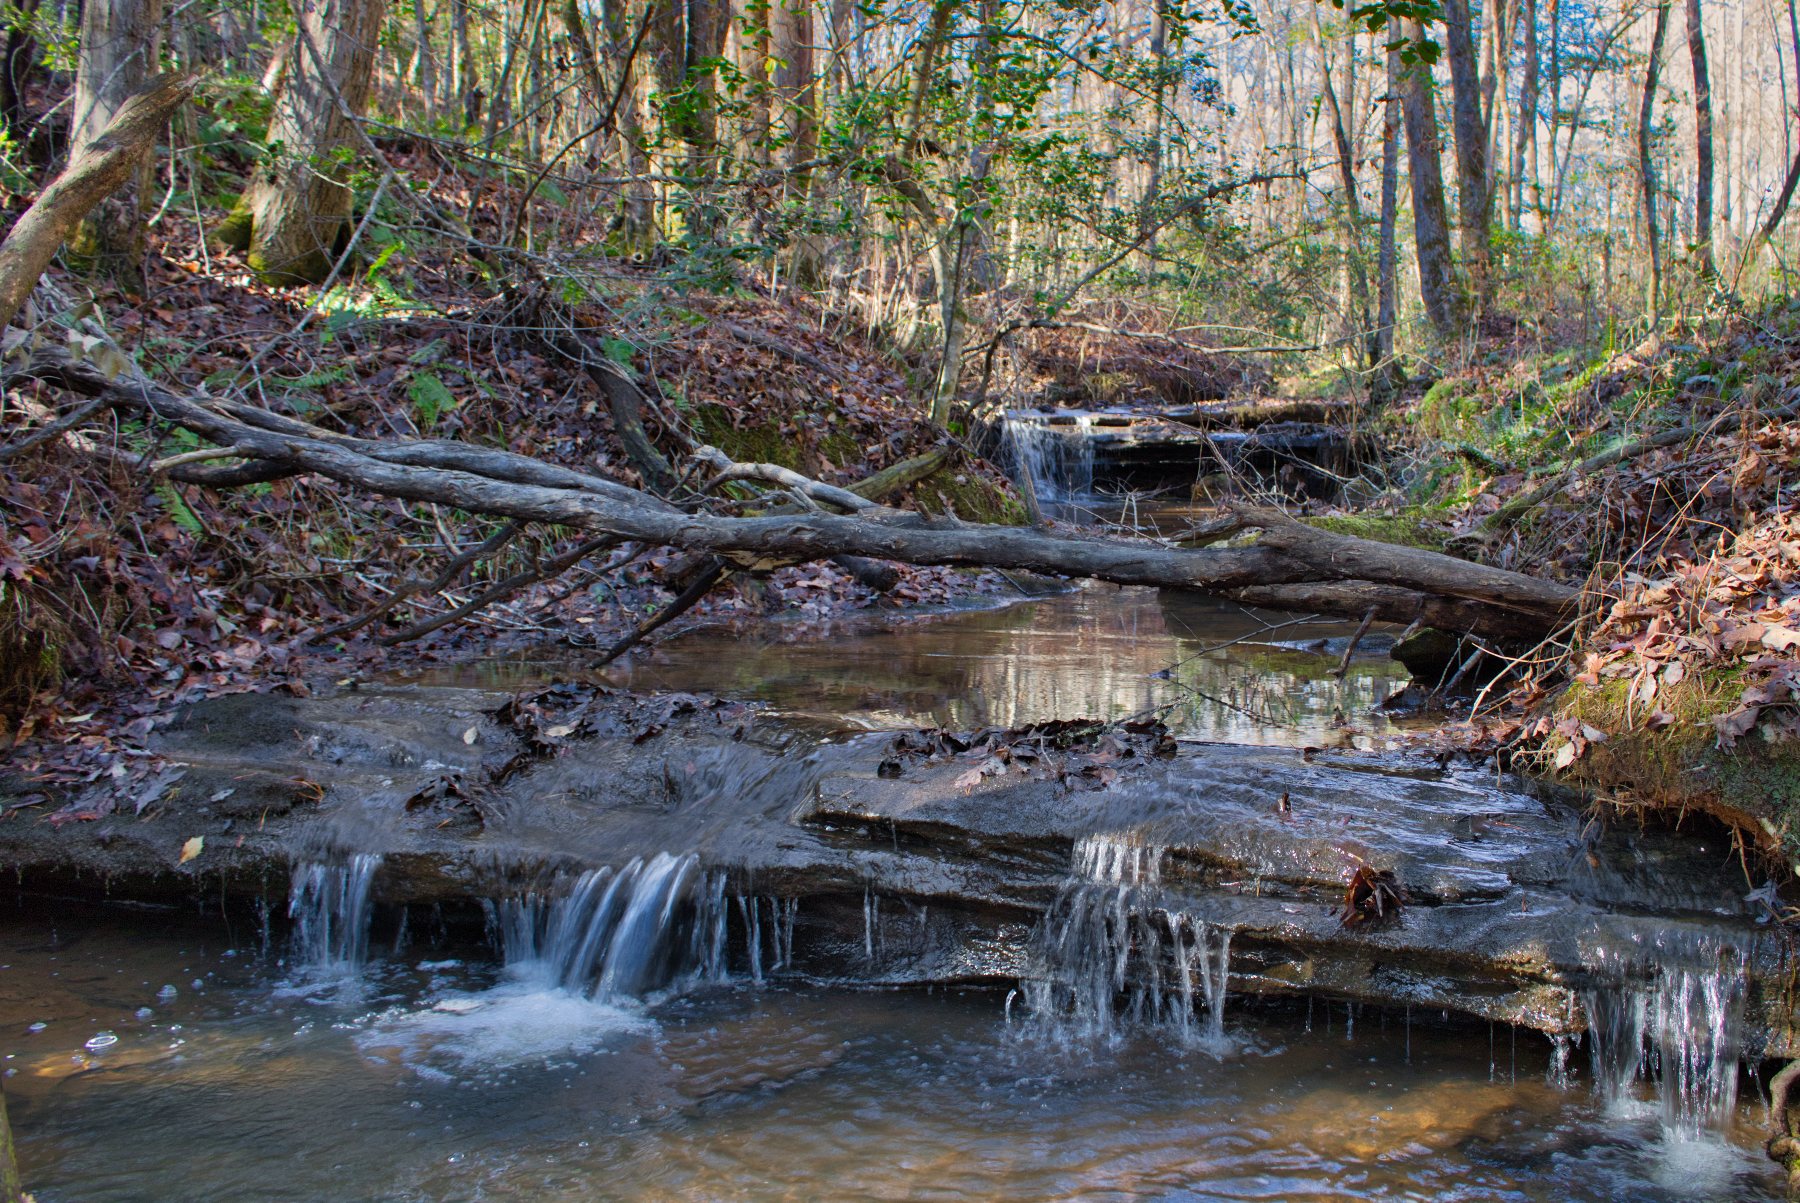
<point x="16" y="69"/>
<point x="102" y="166"/>
<point x="1474" y="192"/>
<point x="1431" y="227"/>
<point x="792" y="37"/>
<point x="1647" y="162"/>
<point x="1703" y="142"/>
<point x="1159" y="65"/>
<point x="1387" y="302"/>
<point x="637" y="221"/>
<point x="1524" y="152"/>
<point x="753" y="65"/>
<point x="119" y="52"/>
<point x="1367" y="336"/>
<point x="299" y="206"/>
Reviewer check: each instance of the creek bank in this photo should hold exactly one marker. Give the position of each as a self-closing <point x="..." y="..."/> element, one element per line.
<point x="1516" y="909"/>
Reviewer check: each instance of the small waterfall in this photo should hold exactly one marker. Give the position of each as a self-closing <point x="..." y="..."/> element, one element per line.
<point x="328" y="902"/>
<point x="618" y="933"/>
<point x="1680" y="1031"/>
<point x="1057" y="460"/>
<point x="1106" y="953"/>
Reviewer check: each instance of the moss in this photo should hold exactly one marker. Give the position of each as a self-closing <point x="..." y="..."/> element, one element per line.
<point x="234" y="230"/>
<point x="973" y="496"/>
<point x="1755" y="786"/>
<point x="1409" y="528"/>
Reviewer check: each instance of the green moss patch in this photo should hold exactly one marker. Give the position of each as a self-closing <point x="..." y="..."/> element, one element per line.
<point x="1679" y="766"/>
<point x="1409" y="528"/>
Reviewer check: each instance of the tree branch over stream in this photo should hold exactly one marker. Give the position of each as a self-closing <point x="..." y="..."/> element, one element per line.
<point x="1288" y="566"/>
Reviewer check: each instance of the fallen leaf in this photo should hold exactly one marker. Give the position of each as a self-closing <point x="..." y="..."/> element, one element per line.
<point x="1779" y="639"/>
<point x="470" y="735"/>
<point x="191" y="849"/>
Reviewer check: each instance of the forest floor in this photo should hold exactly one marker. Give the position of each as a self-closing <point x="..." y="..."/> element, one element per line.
<point x="1657" y="477"/>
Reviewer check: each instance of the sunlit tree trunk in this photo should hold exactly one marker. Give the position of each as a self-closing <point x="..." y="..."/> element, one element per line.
<point x="1387" y="302"/>
<point x="1703" y="141"/>
<point x="1474" y="191"/>
<point x="1431" y="226"/>
<point x="298" y="206"/>
<point x="1647" y="162"/>
<point x="1524" y="142"/>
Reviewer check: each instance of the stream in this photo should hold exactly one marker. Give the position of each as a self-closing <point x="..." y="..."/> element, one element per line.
<point x="752" y="951"/>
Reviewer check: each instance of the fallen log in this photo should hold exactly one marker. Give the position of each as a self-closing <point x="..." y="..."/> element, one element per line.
<point x="1289" y="566"/>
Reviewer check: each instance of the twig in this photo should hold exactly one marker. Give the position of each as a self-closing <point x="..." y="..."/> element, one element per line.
<point x="199" y="457"/>
<point x="505" y="588"/>
<point x="451" y="570"/>
<point x="1343" y="668"/>
<point x="61" y="426"/>
<point x="690" y="597"/>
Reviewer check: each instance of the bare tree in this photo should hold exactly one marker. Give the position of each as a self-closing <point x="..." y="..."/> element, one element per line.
<point x="1703" y="141"/>
<point x="1474" y="192"/>
<point x="1431" y="225"/>
<point x="1646" y="160"/>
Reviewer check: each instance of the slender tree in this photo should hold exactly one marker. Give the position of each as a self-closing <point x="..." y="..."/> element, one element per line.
<point x="1474" y="192"/>
<point x="1647" y="161"/>
<point x="1703" y="141"/>
<point x="1431" y="225"/>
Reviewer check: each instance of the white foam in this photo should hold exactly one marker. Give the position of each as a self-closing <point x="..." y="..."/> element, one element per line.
<point x="513" y="1024"/>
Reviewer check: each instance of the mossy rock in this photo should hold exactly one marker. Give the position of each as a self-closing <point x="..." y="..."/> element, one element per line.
<point x="972" y="496"/>
<point x="1754" y="786"/>
<point x="767" y="443"/>
<point x="234" y="230"/>
<point x="1406" y="529"/>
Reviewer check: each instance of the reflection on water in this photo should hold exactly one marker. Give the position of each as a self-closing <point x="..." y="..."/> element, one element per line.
<point x="434" y="1086"/>
<point x="1226" y="672"/>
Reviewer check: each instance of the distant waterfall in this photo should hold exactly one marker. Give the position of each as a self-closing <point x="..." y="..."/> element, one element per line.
<point x="328" y="902"/>
<point x="1681" y="1031"/>
<point x="1107" y="953"/>
<point x="1057" y="460"/>
<point x="619" y="933"/>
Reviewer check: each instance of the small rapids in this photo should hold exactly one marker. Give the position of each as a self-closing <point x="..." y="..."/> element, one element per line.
<point x="328" y="903"/>
<point x="1679" y="1032"/>
<point x="617" y="934"/>
<point x="1110" y="953"/>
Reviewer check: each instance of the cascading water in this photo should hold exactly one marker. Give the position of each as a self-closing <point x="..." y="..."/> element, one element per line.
<point x="618" y="933"/>
<point x="328" y="902"/>
<point x="1056" y="460"/>
<point x="1108" y="951"/>
<point x="1680" y="1031"/>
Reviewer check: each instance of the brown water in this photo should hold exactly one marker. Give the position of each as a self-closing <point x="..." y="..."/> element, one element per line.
<point x="1216" y="670"/>
<point x="431" y="1082"/>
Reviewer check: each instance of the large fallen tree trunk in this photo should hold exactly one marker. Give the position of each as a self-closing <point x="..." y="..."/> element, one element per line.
<point x="1289" y="566"/>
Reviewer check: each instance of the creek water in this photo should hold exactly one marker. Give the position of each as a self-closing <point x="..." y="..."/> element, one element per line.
<point x="640" y="1031"/>
<point x="446" y="1077"/>
<point x="1215" y="670"/>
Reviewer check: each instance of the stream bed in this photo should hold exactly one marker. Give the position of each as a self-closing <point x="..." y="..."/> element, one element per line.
<point x="437" y="1078"/>
<point x="731" y="960"/>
